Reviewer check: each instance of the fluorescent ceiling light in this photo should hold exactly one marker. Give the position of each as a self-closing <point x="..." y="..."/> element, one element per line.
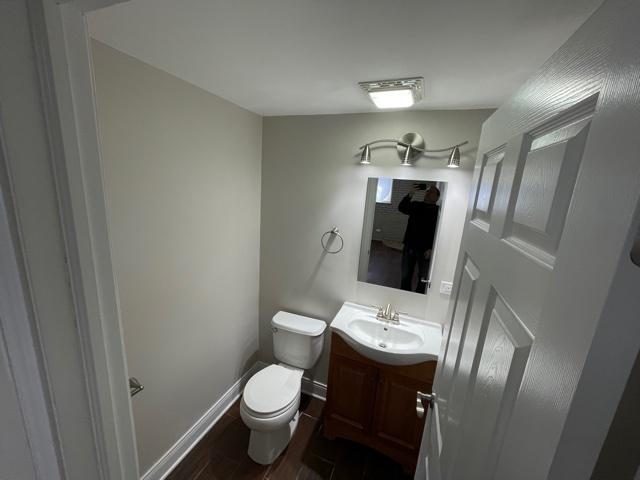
<point x="392" y="98"/>
<point x="399" y="93"/>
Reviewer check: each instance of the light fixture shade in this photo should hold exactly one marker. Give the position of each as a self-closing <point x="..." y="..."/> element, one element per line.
<point x="454" y="158"/>
<point x="406" y="161"/>
<point x="365" y="158"/>
<point x="393" y="98"/>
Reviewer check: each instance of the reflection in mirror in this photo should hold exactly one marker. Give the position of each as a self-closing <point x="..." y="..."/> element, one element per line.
<point x="401" y="220"/>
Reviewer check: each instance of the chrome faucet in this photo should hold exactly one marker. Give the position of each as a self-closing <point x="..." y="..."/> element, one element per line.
<point x="388" y="314"/>
<point x="394" y="317"/>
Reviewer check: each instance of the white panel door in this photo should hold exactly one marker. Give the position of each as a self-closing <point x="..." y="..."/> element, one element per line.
<point x="535" y="268"/>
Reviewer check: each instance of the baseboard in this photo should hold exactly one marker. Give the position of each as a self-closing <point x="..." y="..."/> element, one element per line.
<point x="309" y="386"/>
<point x="183" y="446"/>
<point x="190" y="439"/>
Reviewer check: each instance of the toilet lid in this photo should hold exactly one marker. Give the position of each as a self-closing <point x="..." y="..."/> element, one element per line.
<point x="272" y="389"/>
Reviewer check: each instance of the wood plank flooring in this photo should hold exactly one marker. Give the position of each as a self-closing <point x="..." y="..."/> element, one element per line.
<point x="222" y="454"/>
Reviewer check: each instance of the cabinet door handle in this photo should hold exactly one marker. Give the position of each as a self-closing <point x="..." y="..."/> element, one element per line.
<point x="430" y="399"/>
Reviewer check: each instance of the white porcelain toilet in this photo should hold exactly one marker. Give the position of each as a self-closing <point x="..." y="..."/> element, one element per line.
<point x="271" y="397"/>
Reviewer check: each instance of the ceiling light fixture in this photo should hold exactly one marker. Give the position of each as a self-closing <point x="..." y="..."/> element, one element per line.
<point x="399" y="93"/>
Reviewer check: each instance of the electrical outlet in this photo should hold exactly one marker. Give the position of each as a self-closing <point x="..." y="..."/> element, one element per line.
<point x="445" y="287"/>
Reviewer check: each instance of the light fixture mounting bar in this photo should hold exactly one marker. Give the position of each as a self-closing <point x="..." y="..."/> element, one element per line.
<point x="421" y="150"/>
<point x="410" y="146"/>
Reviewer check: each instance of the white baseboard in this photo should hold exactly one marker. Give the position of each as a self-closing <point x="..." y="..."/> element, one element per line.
<point x="183" y="446"/>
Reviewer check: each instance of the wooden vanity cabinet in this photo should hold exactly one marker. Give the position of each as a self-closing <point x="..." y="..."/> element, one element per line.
<point x="375" y="404"/>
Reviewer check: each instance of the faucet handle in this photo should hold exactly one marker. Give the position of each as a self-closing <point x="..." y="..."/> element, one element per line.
<point x="396" y="315"/>
<point x="380" y="313"/>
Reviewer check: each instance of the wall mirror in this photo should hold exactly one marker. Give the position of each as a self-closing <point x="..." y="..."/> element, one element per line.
<point x="401" y="219"/>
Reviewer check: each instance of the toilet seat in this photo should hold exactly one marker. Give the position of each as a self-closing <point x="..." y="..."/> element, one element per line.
<point x="272" y="391"/>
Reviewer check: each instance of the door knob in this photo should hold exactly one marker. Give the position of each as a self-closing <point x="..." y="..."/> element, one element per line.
<point x="429" y="398"/>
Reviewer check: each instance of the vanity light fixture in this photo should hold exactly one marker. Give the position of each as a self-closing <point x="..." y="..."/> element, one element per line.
<point x="454" y="158"/>
<point x="406" y="160"/>
<point x="365" y="158"/>
<point x="411" y="146"/>
<point x="399" y="93"/>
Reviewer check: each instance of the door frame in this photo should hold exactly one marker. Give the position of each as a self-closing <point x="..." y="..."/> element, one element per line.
<point x="60" y="48"/>
<point x="367" y="229"/>
<point x="17" y="346"/>
<point x="62" y="51"/>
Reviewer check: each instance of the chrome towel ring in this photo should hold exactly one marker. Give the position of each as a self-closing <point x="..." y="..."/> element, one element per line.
<point x="334" y="232"/>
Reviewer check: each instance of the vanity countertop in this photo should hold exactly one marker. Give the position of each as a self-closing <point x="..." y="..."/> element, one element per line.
<point x="408" y="342"/>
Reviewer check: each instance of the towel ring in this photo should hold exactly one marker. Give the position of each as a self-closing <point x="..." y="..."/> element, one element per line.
<point x="336" y="232"/>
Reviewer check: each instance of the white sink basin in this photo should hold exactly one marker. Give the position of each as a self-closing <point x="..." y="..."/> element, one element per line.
<point x="412" y="341"/>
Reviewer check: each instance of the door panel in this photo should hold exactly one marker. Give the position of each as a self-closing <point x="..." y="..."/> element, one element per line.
<point x="549" y="173"/>
<point x="502" y="360"/>
<point x="464" y="302"/>
<point x="486" y="194"/>
<point x="462" y="378"/>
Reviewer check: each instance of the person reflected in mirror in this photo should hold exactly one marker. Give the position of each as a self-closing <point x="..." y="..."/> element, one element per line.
<point x="419" y="235"/>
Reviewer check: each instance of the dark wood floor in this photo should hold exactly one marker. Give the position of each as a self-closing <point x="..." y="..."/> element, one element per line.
<point x="222" y="454"/>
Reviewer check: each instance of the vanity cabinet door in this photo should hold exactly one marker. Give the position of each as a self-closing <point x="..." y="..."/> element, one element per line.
<point x="395" y="420"/>
<point x="351" y="395"/>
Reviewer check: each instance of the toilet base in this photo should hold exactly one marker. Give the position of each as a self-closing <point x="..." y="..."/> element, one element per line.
<point x="265" y="447"/>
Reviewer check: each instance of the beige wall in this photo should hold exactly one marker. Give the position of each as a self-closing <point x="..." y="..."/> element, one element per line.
<point x="182" y="175"/>
<point x="312" y="181"/>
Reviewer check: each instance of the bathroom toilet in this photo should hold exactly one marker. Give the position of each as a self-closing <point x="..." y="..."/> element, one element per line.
<point x="271" y="397"/>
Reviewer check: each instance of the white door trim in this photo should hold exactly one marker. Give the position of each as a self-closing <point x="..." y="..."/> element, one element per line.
<point x="64" y="67"/>
<point x="60" y="45"/>
<point x="17" y="342"/>
<point x="84" y="214"/>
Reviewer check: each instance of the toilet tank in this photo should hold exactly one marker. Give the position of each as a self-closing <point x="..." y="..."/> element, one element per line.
<point x="297" y="340"/>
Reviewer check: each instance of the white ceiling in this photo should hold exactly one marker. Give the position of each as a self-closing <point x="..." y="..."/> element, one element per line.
<point x="285" y="57"/>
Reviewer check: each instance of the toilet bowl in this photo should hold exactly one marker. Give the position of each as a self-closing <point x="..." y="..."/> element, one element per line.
<point x="271" y="398"/>
<point x="269" y="408"/>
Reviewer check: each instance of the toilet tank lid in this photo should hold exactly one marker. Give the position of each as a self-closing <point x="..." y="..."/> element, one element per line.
<point x="298" y="324"/>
